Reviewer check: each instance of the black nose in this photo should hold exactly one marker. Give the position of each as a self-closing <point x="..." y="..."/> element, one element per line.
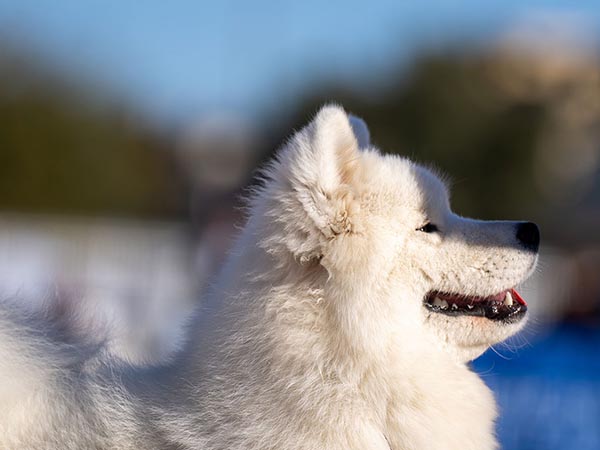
<point x="528" y="234"/>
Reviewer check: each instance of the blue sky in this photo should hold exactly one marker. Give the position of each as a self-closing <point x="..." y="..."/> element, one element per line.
<point x="174" y="60"/>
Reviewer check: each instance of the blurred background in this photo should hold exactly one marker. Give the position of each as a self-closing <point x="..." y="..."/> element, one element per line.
<point x="129" y="130"/>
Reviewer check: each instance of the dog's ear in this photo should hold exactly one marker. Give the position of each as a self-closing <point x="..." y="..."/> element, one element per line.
<point x="322" y="163"/>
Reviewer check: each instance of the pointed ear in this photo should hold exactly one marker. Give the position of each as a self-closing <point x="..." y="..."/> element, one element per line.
<point x="321" y="162"/>
<point x="323" y="154"/>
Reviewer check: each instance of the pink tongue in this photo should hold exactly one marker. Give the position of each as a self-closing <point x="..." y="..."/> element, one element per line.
<point x="517" y="297"/>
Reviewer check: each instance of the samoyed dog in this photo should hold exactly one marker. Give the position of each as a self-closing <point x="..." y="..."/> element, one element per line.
<point x="344" y="318"/>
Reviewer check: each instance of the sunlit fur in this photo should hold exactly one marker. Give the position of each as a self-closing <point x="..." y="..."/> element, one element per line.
<point x="315" y="335"/>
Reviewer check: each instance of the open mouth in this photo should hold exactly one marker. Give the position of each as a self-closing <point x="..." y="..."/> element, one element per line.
<point x="506" y="306"/>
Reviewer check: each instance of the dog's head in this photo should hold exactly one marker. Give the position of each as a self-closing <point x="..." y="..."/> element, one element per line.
<point x="395" y="256"/>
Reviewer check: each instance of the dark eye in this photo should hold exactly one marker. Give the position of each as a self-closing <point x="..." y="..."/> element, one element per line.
<point x="428" y="228"/>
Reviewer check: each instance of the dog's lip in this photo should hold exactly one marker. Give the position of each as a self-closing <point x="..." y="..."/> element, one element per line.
<point x="462" y="299"/>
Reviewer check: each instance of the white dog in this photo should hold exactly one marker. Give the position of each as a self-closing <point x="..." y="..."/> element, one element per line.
<point x="344" y="319"/>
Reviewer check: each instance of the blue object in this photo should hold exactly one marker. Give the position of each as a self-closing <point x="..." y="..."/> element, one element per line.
<point x="548" y="391"/>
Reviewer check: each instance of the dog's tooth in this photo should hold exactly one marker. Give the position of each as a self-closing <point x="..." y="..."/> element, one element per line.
<point x="470" y="306"/>
<point x="437" y="302"/>
<point x="508" y="300"/>
<point x="444" y="304"/>
<point x="454" y="306"/>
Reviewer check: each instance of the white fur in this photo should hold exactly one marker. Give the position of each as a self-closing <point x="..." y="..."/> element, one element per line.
<point x="315" y="336"/>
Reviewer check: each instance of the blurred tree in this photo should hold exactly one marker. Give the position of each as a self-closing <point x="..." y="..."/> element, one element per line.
<point x="65" y="149"/>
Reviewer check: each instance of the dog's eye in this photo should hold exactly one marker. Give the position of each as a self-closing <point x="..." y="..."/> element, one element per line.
<point x="428" y="228"/>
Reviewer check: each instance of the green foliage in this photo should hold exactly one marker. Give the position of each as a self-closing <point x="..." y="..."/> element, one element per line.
<point x="63" y="151"/>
